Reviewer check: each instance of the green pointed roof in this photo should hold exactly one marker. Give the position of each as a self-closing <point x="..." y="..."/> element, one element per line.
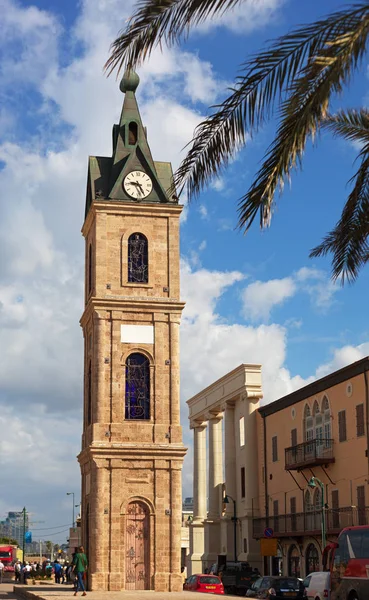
<point x="131" y="152"/>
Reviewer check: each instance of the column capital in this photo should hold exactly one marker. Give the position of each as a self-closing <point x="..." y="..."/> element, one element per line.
<point x="216" y="414"/>
<point x="196" y="424"/>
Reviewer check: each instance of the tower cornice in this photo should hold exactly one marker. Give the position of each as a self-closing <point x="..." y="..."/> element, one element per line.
<point x="127" y="209"/>
<point x="125" y="303"/>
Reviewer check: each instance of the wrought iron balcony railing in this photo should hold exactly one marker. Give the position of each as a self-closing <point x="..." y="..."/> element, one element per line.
<point x="308" y="454"/>
<point x="295" y="524"/>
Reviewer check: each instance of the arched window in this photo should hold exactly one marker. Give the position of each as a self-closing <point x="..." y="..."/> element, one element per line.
<point x="294" y="567"/>
<point x="312" y="559"/>
<point x="308" y="427"/>
<point x="90" y="269"/>
<point x="317" y="508"/>
<point x="132" y="133"/>
<point x="137" y="405"/>
<point x="89" y="394"/>
<point x="138" y="268"/>
<point x="309" y="512"/>
<point x="318" y="428"/>
<point x="326" y="413"/>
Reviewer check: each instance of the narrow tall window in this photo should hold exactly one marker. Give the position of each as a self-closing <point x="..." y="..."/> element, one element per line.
<point x="275" y="515"/>
<point x="335" y="510"/>
<point x="293" y="513"/>
<point x="293" y="437"/>
<point x="242" y="431"/>
<point x="89" y="394"/>
<point x="90" y="269"/>
<point x="360" y="420"/>
<point x="243" y="482"/>
<point x="274" y="448"/>
<point x="138" y="267"/>
<point x="137" y="401"/>
<point x="342" y="434"/>
<point x="360" y="491"/>
<point x="132" y="133"/>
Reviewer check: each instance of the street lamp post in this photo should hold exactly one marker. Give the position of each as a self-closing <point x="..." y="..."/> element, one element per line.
<point x="226" y="500"/>
<point x="313" y="483"/>
<point x="72" y="494"/>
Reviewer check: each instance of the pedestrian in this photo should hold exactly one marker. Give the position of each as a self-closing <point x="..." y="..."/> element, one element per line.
<point x="17" y="570"/>
<point x="57" y="571"/>
<point x="1" y="570"/>
<point x="80" y="568"/>
<point x="26" y="572"/>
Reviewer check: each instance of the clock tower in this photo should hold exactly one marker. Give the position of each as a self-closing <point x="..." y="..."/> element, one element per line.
<point x="132" y="450"/>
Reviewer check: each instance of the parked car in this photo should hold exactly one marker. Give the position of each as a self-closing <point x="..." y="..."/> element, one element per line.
<point x="277" y="588"/>
<point x="318" y="585"/>
<point x="210" y="584"/>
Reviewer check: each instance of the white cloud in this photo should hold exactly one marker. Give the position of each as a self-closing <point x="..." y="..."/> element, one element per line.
<point x="246" y="16"/>
<point x="260" y="297"/>
<point x="203" y="211"/>
<point x="342" y="357"/>
<point x="202" y="245"/>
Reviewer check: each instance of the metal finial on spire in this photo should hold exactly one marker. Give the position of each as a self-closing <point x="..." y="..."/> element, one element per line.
<point x="130" y="81"/>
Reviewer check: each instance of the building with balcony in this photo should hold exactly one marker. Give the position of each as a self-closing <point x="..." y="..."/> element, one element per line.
<point x="264" y="457"/>
<point x="318" y="431"/>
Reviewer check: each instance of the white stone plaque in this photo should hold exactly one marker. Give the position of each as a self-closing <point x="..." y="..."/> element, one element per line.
<point x="137" y="334"/>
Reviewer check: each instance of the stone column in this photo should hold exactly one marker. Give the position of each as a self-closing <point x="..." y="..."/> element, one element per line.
<point x="199" y="473"/>
<point x="98" y="545"/>
<point x="212" y="526"/>
<point x="230" y="434"/>
<point x="199" y="500"/>
<point x="215" y="466"/>
<point x="176" y="435"/>
<point x="251" y="475"/>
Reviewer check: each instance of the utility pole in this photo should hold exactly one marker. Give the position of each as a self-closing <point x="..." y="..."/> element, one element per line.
<point x="24" y="533"/>
<point x="40" y="552"/>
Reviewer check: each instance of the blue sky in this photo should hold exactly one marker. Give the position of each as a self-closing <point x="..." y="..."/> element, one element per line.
<point x="254" y="298"/>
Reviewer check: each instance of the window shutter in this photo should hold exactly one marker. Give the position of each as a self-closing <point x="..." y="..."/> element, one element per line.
<point x="342" y="436"/>
<point x="294" y="437"/>
<point x="275" y="508"/>
<point x="274" y="449"/>
<point x="360" y="430"/>
<point x="335" y="501"/>
<point x="293" y="504"/>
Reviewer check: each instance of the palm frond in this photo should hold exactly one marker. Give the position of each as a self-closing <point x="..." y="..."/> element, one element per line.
<point x="155" y="21"/>
<point x="302" y="115"/>
<point x="348" y="241"/>
<point x="268" y="78"/>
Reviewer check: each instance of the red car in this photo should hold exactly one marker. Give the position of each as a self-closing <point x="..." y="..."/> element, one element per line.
<point x="210" y="584"/>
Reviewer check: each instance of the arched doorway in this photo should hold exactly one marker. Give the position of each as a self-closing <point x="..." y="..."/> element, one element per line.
<point x="294" y="565"/>
<point x="137" y="547"/>
<point x="312" y="559"/>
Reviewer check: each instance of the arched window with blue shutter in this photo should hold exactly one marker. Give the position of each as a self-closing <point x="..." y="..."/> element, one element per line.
<point x="137" y="393"/>
<point x="138" y="259"/>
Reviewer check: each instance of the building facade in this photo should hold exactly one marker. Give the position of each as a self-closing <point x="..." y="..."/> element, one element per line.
<point x="298" y="466"/>
<point x="132" y="450"/>
<point x="319" y="431"/>
<point x="225" y="412"/>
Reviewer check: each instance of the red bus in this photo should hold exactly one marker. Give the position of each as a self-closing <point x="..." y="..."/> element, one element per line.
<point x="348" y="562"/>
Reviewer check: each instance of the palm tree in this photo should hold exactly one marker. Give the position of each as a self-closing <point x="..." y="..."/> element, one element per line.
<point x="295" y="77"/>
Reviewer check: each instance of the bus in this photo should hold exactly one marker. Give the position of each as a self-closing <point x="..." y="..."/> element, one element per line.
<point x="348" y="563"/>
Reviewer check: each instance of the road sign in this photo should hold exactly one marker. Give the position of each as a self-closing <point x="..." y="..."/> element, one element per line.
<point x="268" y="532"/>
<point x="268" y="546"/>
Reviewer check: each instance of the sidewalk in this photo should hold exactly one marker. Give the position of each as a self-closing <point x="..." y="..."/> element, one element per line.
<point x="44" y="592"/>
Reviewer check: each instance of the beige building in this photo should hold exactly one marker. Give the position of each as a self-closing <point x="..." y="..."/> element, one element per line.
<point x="318" y="431"/>
<point x="132" y="450"/>
<point x="266" y="457"/>
<point x="223" y="419"/>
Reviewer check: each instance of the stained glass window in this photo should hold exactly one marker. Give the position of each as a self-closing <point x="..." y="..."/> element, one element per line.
<point x="137" y="387"/>
<point x="138" y="269"/>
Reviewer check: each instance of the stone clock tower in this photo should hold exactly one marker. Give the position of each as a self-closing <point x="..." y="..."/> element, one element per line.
<point x="132" y="449"/>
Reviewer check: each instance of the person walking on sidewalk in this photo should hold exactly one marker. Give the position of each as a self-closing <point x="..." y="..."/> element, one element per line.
<point x="80" y="568"/>
<point x="1" y="570"/>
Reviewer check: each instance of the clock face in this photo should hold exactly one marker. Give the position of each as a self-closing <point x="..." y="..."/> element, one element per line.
<point x="137" y="184"/>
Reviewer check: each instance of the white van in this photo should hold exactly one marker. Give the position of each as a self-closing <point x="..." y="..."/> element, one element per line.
<point x="317" y="586"/>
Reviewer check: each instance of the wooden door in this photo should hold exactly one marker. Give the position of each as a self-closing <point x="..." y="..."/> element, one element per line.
<point x="137" y="547"/>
